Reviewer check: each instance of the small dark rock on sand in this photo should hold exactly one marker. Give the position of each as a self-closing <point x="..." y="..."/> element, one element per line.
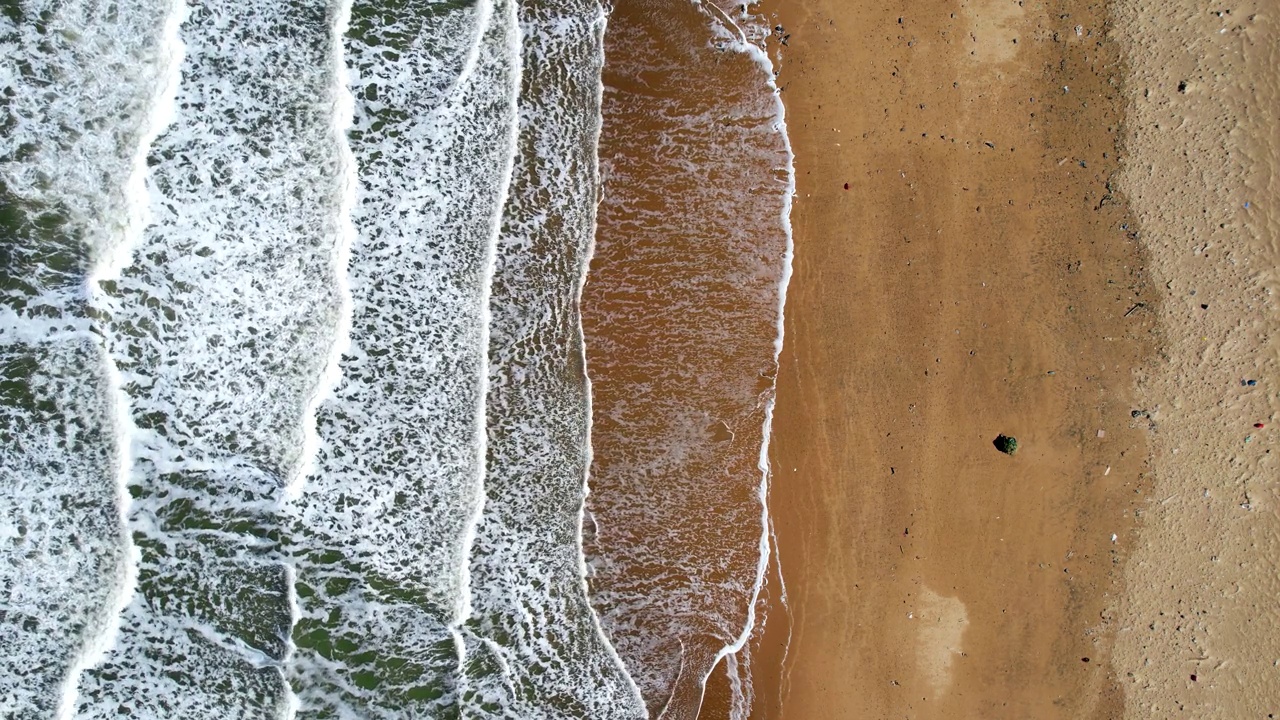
<point x="1005" y="444"/>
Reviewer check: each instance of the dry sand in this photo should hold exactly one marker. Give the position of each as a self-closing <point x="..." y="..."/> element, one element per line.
<point x="968" y="264"/>
<point x="1199" y="627"/>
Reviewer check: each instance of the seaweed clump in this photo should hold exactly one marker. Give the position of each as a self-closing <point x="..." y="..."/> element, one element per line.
<point x="1006" y="444"/>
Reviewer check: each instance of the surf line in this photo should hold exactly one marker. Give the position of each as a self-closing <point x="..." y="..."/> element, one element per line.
<point x="343" y="104"/>
<point x="740" y="43"/>
<point x="463" y="609"/>
<point x="108" y="266"/>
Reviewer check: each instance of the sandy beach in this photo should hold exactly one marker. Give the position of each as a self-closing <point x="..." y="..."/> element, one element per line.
<point x="1009" y="218"/>
<point x="1199" y="625"/>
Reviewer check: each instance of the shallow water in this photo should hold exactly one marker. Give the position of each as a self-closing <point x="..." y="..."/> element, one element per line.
<point x="681" y="311"/>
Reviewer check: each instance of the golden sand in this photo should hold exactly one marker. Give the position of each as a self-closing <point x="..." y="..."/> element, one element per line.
<point x="1199" y="625"/>
<point x="968" y="265"/>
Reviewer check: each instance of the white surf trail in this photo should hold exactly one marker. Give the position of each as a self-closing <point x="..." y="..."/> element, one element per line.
<point x="138" y="204"/>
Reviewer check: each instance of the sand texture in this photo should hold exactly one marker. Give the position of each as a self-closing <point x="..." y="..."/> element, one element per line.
<point x="1200" y="620"/>
<point x="968" y="263"/>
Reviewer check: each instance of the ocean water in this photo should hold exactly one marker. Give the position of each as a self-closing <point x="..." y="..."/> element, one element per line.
<point x="296" y="401"/>
<point x="82" y="87"/>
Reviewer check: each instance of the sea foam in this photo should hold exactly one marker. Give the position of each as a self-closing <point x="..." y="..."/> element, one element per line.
<point x="221" y="326"/>
<point x="85" y="92"/>
<point x="383" y="525"/>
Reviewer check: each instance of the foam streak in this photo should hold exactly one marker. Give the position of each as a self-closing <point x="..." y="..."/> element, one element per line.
<point x="137" y="194"/>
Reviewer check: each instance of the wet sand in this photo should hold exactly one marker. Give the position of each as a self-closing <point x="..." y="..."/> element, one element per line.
<point x="968" y="264"/>
<point x="965" y="267"/>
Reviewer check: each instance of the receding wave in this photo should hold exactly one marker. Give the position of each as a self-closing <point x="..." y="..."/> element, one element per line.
<point x="682" y="315"/>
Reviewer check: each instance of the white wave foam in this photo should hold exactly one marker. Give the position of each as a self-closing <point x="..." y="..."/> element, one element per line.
<point x="343" y="119"/>
<point x="139" y="217"/>
<point x="222" y="327"/>
<point x="512" y="51"/>
<point x="85" y="95"/>
<point x="386" y="521"/>
<point x="538" y="648"/>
